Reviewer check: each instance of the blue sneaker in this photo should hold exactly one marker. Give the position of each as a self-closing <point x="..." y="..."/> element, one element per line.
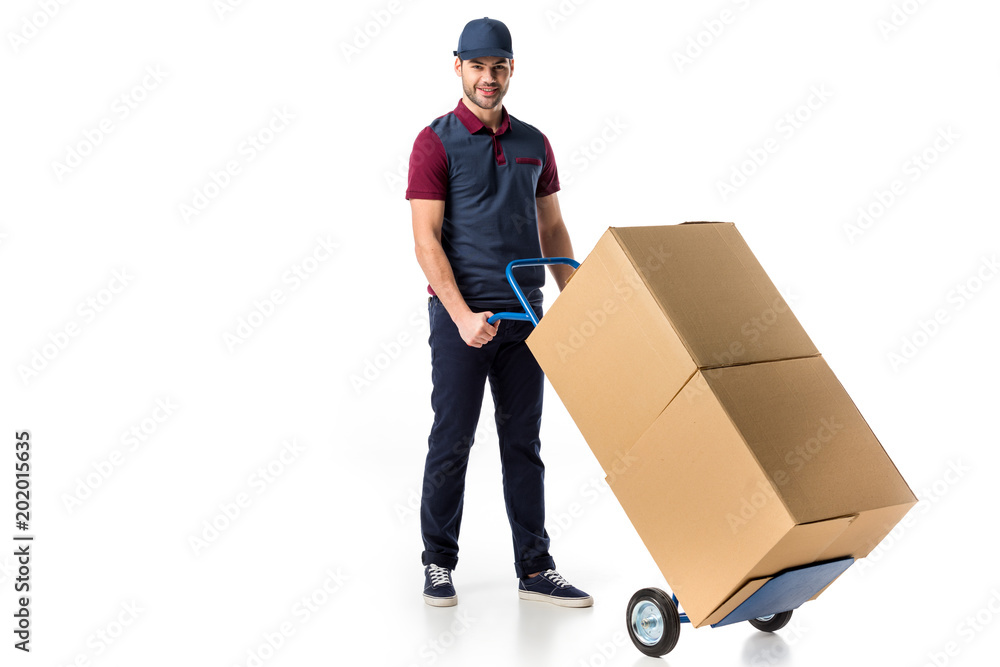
<point x="438" y="589"/>
<point x="549" y="586"/>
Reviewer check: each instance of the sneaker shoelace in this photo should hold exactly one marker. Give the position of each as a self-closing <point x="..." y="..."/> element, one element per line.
<point x="556" y="578"/>
<point x="439" y="576"/>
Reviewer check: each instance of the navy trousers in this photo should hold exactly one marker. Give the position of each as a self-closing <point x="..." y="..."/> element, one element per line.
<point x="459" y="374"/>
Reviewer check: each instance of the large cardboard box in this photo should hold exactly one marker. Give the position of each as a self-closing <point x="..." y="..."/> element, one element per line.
<point x="754" y="469"/>
<point x="731" y="445"/>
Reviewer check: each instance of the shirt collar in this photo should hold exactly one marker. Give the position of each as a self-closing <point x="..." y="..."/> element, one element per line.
<point x="473" y="124"/>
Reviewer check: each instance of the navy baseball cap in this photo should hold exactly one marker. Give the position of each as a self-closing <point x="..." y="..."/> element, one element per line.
<point x="484" y="37"/>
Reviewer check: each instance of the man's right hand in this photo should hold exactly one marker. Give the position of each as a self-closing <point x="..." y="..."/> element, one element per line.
<point x="475" y="330"/>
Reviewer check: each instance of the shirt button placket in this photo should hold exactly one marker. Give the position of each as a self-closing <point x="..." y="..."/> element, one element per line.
<point x="498" y="151"/>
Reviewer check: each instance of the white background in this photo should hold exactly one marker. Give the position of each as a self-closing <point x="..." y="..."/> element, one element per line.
<point x="340" y="365"/>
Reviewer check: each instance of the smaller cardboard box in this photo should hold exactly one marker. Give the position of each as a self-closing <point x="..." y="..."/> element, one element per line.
<point x="647" y="308"/>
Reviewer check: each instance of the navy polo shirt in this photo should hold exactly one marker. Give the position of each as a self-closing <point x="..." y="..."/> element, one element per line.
<point x="489" y="182"/>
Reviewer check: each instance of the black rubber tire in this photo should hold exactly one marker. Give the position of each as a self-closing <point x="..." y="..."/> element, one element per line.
<point x="776" y="622"/>
<point x="671" y="622"/>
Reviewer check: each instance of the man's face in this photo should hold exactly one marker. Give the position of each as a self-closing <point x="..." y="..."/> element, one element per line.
<point x="485" y="80"/>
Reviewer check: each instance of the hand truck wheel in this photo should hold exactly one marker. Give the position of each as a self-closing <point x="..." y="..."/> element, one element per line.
<point x="653" y="622"/>
<point x="771" y="622"/>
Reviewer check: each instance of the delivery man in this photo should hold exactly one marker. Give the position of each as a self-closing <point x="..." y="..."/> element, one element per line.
<point x="482" y="189"/>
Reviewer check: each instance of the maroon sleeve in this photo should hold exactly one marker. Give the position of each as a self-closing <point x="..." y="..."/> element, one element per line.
<point x="428" y="175"/>
<point x="548" y="182"/>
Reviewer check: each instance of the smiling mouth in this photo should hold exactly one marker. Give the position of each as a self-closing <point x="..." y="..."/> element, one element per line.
<point x="489" y="92"/>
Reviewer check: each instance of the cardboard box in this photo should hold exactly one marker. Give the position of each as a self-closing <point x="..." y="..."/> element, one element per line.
<point x="727" y="439"/>
<point x="754" y="469"/>
<point x="646" y="309"/>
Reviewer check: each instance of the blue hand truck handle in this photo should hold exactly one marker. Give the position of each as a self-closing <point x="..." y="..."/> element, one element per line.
<point x="529" y="313"/>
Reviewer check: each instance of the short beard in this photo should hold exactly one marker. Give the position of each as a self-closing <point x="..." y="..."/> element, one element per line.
<point x="493" y="102"/>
